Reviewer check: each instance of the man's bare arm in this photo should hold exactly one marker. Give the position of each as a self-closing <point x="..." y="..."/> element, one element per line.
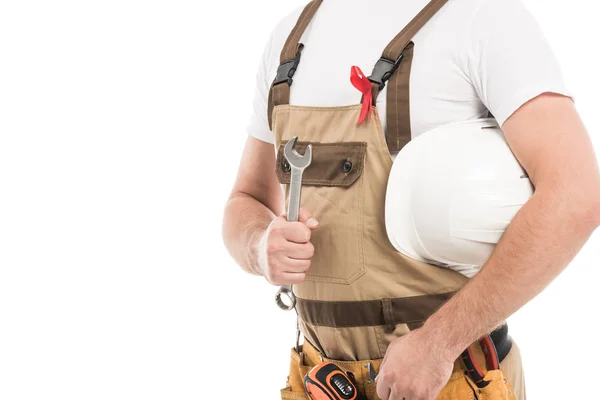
<point x="550" y="141"/>
<point x="256" y="199"/>
<point x="256" y="234"/>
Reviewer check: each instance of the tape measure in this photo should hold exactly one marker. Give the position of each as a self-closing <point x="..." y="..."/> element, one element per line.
<point x="326" y="381"/>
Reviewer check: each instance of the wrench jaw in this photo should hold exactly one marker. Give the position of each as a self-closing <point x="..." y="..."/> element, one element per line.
<point x="293" y="158"/>
<point x="285" y="298"/>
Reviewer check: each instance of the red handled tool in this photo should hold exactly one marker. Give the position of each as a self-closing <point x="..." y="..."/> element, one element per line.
<point x="491" y="359"/>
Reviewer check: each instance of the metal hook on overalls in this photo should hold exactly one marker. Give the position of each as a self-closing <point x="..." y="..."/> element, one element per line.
<point x="298" y="163"/>
<point x="300" y="353"/>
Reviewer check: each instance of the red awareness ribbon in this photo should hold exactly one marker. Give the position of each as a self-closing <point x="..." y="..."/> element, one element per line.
<point x="362" y="83"/>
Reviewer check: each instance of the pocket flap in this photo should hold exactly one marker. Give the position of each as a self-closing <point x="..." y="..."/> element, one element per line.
<point x="333" y="164"/>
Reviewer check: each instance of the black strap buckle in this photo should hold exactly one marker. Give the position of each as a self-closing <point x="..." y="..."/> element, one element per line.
<point x="287" y="69"/>
<point x="383" y="70"/>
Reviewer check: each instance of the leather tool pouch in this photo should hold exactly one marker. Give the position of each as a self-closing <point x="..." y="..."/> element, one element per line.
<point x="491" y="384"/>
<point x="459" y="387"/>
<point x="300" y="365"/>
<point x="294" y="389"/>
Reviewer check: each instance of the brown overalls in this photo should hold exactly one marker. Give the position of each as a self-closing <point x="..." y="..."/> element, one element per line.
<point x="360" y="293"/>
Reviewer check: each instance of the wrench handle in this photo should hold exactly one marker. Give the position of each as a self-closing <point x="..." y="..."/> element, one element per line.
<point x="295" y="191"/>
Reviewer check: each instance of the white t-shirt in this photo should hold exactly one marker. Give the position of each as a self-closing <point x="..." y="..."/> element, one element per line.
<point x="471" y="57"/>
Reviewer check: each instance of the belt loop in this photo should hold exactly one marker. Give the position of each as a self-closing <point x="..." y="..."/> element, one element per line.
<point x="388" y="315"/>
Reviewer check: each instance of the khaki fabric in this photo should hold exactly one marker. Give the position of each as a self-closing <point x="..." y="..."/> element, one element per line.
<point x="505" y="384"/>
<point x="354" y="260"/>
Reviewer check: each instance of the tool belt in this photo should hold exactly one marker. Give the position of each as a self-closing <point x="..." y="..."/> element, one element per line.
<point x="476" y="374"/>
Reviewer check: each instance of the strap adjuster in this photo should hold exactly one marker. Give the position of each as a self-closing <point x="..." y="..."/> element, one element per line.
<point x="383" y="70"/>
<point x="287" y="69"/>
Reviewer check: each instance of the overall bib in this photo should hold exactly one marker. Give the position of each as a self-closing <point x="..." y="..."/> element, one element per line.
<point x="360" y="293"/>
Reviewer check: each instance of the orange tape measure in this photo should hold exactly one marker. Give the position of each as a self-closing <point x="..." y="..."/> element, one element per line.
<point x="326" y="381"/>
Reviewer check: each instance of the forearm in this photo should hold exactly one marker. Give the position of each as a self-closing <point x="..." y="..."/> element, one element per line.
<point x="244" y="224"/>
<point x="541" y="240"/>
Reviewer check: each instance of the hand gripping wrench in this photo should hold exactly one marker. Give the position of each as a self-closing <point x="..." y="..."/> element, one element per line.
<point x="298" y="163"/>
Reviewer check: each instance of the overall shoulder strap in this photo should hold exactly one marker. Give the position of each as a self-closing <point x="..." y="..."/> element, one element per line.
<point x="401" y="47"/>
<point x="290" y="58"/>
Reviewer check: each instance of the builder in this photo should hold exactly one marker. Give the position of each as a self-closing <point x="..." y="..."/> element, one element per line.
<point x="358" y="299"/>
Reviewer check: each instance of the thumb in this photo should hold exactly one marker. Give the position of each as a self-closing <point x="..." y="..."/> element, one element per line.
<point x="307" y="218"/>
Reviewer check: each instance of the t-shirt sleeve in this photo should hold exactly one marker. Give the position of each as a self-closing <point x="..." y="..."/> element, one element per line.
<point x="258" y="126"/>
<point x="509" y="60"/>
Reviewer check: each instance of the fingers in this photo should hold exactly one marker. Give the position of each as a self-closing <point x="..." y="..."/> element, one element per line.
<point x="389" y="389"/>
<point x="307" y="218"/>
<point x="290" y="265"/>
<point x="386" y="393"/>
<point x="286" y="249"/>
<point x="288" y="272"/>
<point x="400" y="396"/>
<point x="296" y="232"/>
<point x="291" y="278"/>
<point x="299" y="251"/>
<point x="396" y="396"/>
<point x="382" y="389"/>
<point x="383" y="393"/>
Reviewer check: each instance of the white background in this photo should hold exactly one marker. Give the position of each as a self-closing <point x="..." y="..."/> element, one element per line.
<point x="121" y="126"/>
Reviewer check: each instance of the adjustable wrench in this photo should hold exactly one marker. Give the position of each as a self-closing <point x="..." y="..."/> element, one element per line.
<point x="298" y="163"/>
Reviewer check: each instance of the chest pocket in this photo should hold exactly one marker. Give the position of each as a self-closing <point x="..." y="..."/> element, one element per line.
<point x="333" y="191"/>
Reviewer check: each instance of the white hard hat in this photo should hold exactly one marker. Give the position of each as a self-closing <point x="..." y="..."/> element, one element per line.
<point x="452" y="192"/>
